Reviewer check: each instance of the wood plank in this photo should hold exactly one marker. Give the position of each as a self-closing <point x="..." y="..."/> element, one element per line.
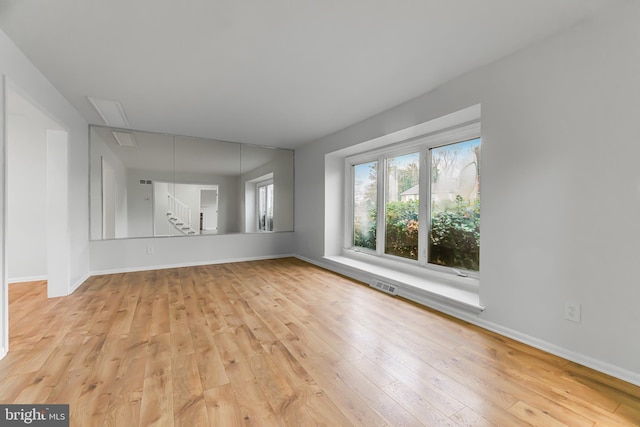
<point x="160" y="315"/>
<point x="534" y="416"/>
<point x="320" y="408"/>
<point x="222" y="406"/>
<point x="156" y="407"/>
<point x="52" y="370"/>
<point x="123" y="410"/>
<point x="254" y="406"/>
<point x="68" y="389"/>
<point x="627" y="414"/>
<point x="282" y="342"/>
<point x="188" y="400"/>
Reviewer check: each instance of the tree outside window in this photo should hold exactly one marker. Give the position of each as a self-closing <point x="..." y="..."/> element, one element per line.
<point x="454" y="236"/>
<point x="451" y="183"/>
<point x="401" y="206"/>
<point x="365" y="198"/>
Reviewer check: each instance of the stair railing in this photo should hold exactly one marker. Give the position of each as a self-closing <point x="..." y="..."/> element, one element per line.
<point x="180" y="211"/>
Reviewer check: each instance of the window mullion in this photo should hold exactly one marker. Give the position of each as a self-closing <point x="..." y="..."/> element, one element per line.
<point x="380" y="218"/>
<point x="424" y="197"/>
<point x="349" y="191"/>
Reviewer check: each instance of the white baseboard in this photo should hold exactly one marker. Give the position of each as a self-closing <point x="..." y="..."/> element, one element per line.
<point x="78" y="283"/>
<point x="187" y="264"/>
<point x="321" y="265"/>
<point x="3" y="352"/>
<point x="11" y="280"/>
<point x="598" y="365"/>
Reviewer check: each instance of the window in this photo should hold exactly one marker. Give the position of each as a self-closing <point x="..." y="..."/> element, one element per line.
<point x="401" y="205"/>
<point x="454" y="228"/>
<point x="265" y="205"/>
<point x="365" y="196"/>
<point x="424" y="196"/>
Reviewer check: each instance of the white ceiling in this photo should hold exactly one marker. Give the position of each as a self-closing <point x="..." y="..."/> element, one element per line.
<point x="278" y="72"/>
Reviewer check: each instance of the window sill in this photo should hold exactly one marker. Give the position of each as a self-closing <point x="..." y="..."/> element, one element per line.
<point x="432" y="289"/>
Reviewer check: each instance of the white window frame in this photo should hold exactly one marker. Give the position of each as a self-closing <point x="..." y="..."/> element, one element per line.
<point x="259" y="185"/>
<point x="422" y="144"/>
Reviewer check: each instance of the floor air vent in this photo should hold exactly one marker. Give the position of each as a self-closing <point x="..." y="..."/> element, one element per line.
<point x="384" y="287"/>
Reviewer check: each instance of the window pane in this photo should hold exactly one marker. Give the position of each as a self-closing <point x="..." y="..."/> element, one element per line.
<point x="262" y="207"/>
<point x="454" y="237"/>
<point x="365" y="195"/>
<point x="265" y="207"/>
<point x="401" y="206"/>
<point x="269" y="221"/>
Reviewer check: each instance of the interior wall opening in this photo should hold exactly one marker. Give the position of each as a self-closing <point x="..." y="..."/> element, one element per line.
<point x="36" y="200"/>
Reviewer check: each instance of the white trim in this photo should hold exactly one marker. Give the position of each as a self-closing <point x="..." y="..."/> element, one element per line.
<point x="421" y="144"/>
<point x="4" y="282"/>
<point x="27" y="279"/>
<point x="79" y="283"/>
<point x="475" y="319"/>
<point x="72" y="289"/>
<point x="424" y="205"/>
<point x="408" y="266"/>
<point x="461" y="133"/>
<point x="187" y="264"/>
<point x="589" y="362"/>
<point x="266" y="183"/>
<point x="3" y="352"/>
<point x="347" y="216"/>
<point x="381" y="208"/>
<point x="441" y="291"/>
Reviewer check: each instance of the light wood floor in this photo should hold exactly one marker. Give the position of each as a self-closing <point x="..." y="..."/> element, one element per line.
<point x="282" y="342"/>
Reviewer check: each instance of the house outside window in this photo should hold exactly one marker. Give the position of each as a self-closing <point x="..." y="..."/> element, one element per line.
<point x="402" y="205"/>
<point x="419" y="201"/>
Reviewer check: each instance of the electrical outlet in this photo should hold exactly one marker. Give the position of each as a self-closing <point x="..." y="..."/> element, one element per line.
<point x="572" y="311"/>
<point x="149" y="250"/>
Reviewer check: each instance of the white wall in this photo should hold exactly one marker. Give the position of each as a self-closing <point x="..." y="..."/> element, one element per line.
<point x="133" y="254"/>
<point x="26" y="195"/>
<point x="209" y="208"/>
<point x="18" y="72"/>
<point x="58" y="226"/>
<point x="560" y="187"/>
<point x="140" y="202"/>
<point x="101" y="150"/>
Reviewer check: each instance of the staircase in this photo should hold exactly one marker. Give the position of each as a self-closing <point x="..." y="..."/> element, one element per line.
<point x="179" y="215"/>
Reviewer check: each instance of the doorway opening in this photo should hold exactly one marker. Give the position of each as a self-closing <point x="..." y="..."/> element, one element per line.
<point x="184" y="208"/>
<point x="37" y="228"/>
<point x="208" y="211"/>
